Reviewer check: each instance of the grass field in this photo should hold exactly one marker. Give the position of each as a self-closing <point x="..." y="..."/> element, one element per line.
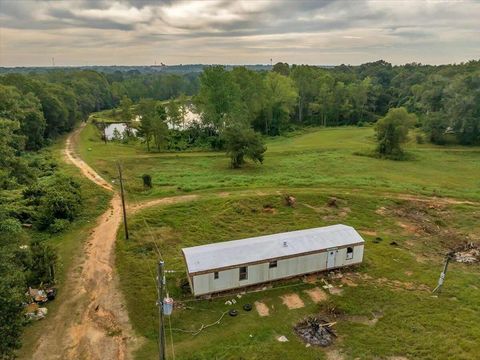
<point x="397" y="281"/>
<point x="386" y="307"/>
<point x="322" y="158"/>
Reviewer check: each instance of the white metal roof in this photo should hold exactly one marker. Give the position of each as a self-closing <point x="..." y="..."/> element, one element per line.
<point x="238" y="252"/>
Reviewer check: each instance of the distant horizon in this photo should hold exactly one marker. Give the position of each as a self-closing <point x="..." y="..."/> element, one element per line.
<point x="131" y="32"/>
<point x="230" y="64"/>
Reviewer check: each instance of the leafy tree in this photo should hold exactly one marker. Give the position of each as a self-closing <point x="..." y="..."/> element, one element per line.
<point x="159" y="127"/>
<point x="219" y="97"/>
<point x="392" y="132"/>
<point x="26" y="109"/>
<point x="43" y="263"/>
<point x="60" y="199"/>
<point x="153" y="124"/>
<point x="13" y="168"/>
<point x="242" y="142"/>
<point x="280" y="99"/>
<point x="305" y="80"/>
<point x="281" y="68"/>
<point x="182" y="109"/>
<point x="125" y="105"/>
<point x="173" y="113"/>
<point x="12" y="289"/>
<point x="251" y="92"/>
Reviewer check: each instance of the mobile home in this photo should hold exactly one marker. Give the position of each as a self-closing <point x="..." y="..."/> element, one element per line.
<point x="235" y="264"/>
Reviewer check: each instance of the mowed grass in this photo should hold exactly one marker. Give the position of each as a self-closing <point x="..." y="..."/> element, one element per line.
<point x="400" y="269"/>
<point x="321" y="158"/>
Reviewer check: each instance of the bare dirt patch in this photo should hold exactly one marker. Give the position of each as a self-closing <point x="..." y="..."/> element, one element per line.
<point x="364" y="320"/>
<point x="317" y="295"/>
<point x="310" y="279"/>
<point x="368" y="232"/>
<point x="335" y="290"/>
<point x="268" y="208"/>
<point x="348" y="281"/>
<point x="262" y="309"/>
<point x="334" y="355"/>
<point x="292" y="301"/>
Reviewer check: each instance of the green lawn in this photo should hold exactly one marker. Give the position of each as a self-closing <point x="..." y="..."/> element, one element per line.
<point x="414" y="324"/>
<point x="394" y="280"/>
<point x="323" y="158"/>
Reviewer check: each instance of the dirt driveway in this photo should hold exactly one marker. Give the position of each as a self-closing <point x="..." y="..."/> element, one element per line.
<point x="92" y="323"/>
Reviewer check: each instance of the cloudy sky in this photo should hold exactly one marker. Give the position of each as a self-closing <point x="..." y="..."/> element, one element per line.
<point x="104" y="32"/>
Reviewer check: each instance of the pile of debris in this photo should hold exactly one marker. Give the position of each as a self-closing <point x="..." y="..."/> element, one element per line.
<point x="467" y="253"/>
<point x="315" y="331"/>
<point x="37" y="297"/>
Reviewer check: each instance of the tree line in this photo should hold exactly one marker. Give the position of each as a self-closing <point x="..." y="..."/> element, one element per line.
<point x="446" y="98"/>
<point x="36" y="199"/>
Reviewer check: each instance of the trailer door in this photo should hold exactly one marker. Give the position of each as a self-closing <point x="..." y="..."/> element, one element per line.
<point x="332" y="254"/>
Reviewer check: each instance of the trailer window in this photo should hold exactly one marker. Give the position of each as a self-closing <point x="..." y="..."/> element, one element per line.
<point x="243" y="274"/>
<point x="349" y="253"/>
<point x="215" y="275"/>
<point x="272" y="264"/>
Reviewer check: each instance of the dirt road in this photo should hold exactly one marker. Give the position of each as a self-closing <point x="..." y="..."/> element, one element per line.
<point x="91" y="321"/>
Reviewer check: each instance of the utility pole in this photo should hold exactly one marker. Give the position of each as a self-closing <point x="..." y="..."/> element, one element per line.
<point x="161" y="325"/>
<point x="123" y="200"/>
<point x="441" y="279"/>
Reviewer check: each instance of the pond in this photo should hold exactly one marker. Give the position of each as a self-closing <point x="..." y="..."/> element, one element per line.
<point x="118" y="129"/>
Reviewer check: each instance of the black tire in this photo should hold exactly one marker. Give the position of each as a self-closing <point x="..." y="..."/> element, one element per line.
<point x="233" y="312"/>
<point x="247" y="307"/>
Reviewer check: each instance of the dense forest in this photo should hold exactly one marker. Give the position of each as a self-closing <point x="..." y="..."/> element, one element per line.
<point x="236" y="105"/>
<point x="446" y="98"/>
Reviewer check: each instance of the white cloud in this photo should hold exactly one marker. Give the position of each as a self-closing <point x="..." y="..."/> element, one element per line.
<point x="221" y="31"/>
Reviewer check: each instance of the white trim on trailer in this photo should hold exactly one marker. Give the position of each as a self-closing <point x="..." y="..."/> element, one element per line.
<point x="235" y="264"/>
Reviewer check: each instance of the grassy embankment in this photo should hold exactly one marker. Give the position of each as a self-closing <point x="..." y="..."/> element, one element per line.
<point x="393" y="284"/>
<point x="68" y="244"/>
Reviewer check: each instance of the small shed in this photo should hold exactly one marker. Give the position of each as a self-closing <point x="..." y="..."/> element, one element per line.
<point x="235" y="264"/>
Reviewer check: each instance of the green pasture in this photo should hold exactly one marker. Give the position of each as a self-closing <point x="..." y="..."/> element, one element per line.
<point x="401" y="270"/>
<point x="321" y="158"/>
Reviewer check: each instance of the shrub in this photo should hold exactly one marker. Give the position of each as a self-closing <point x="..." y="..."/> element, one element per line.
<point x="147" y="181"/>
<point x="241" y="142"/>
<point x="420" y="139"/>
<point x="61" y="199"/>
<point x="392" y="132"/>
<point x="58" y="226"/>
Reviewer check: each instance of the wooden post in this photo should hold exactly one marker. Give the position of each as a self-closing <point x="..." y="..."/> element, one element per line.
<point x="123" y="200"/>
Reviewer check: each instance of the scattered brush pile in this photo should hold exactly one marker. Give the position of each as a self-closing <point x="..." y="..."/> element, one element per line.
<point x="315" y="331"/>
<point x="467" y="253"/>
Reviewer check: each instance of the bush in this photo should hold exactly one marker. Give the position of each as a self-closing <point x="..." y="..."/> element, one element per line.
<point x="241" y="142"/>
<point x="58" y="226"/>
<point x="60" y="199"/>
<point x="392" y="132"/>
<point x="12" y="290"/>
<point x="420" y="139"/>
<point x="147" y="181"/>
